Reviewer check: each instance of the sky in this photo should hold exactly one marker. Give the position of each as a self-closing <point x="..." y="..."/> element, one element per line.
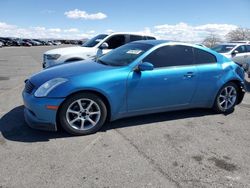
<point x="184" y="20"/>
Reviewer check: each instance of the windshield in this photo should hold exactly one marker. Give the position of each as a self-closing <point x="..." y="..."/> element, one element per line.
<point x="223" y="48"/>
<point x="124" y="55"/>
<point x="94" y="41"/>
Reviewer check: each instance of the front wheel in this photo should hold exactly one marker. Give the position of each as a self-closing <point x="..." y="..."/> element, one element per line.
<point x="82" y="114"/>
<point x="226" y="98"/>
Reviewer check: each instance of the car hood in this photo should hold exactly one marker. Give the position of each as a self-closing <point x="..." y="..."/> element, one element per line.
<point x="69" y="70"/>
<point x="69" y="50"/>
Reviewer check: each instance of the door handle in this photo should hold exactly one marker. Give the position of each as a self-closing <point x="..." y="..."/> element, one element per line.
<point x="189" y="75"/>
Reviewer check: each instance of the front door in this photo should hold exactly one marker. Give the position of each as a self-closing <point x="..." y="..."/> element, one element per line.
<point x="172" y="83"/>
<point x="161" y="88"/>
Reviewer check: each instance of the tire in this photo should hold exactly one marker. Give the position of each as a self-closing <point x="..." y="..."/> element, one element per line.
<point x="85" y="119"/>
<point x="226" y="98"/>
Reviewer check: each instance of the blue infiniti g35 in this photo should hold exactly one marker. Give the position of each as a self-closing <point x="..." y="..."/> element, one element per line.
<point x="138" y="78"/>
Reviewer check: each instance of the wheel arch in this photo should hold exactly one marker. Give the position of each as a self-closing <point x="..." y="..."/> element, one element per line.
<point x="241" y="89"/>
<point x="99" y="94"/>
<point x="240" y="86"/>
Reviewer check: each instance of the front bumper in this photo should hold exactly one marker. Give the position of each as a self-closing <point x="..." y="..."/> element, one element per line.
<point x="37" y="115"/>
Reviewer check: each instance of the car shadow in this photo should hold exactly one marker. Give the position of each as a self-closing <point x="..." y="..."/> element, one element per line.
<point x="158" y="117"/>
<point x="14" y="128"/>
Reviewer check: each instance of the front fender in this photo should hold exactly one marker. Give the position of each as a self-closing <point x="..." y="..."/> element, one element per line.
<point x="112" y="86"/>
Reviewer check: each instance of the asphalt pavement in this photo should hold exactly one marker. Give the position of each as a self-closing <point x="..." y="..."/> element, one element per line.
<point x="191" y="148"/>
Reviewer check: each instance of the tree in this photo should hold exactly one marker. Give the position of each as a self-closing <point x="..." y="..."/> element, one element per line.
<point x="239" y="34"/>
<point x="211" y="40"/>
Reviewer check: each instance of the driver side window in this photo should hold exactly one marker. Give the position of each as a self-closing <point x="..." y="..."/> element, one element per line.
<point x="116" y="41"/>
<point x="241" y="49"/>
<point x="168" y="56"/>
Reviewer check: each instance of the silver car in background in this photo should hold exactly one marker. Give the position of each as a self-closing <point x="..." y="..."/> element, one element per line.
<point x="238" y="51"/>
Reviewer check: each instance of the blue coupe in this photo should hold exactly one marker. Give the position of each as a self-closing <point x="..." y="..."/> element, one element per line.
<point x="138" y="78"/>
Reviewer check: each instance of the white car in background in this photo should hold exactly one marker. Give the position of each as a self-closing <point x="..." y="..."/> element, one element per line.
<point x="95" y="47"/>
<point x="239" y="52"/>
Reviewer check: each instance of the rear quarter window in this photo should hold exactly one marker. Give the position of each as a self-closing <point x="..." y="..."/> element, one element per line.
<point x="150" y="38"/>
<point x="203" y="57"/>
<point x="135" y="38"/>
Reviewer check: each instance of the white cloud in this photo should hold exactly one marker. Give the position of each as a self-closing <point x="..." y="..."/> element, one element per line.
<point x="91" y="31"/>
<point x="145" y="31"/>
<point x="7" y="30"/>
<point x="71" y="30"/>
<point x="179" y="32"/>
<point x="4" y="25"/>
<point x="79" y="14"/>
<point x="39" y="28"/>
<point x="109" y="31"/>
<point x="55" y="30"/>
<point x="185" y="32"/>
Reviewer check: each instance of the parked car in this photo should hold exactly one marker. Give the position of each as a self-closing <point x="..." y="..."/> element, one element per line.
<point x="95" y="47"/>
<point x="57" y="42"/>
<point x="10" y="41"/>
<point x="1" y="44"/>
<point x="238" y="52"/>
<point x="137" y="78"/>
<point x="43" y="42"/>
<point x="32" y="42"/>
<point x="39" y="43"/>
<point x="241" y="41"/>
<point x="3" y="41"/>
<point x="23" y="43"/>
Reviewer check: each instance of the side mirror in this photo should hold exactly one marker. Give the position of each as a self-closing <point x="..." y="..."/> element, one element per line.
<point x="235" y="52"/>
<point x="104" y="45"/>
<point x="145" y="66"/>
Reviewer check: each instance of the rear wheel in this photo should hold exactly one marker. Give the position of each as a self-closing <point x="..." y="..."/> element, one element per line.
<point x="82" y="114"/>
<point x="227" y="98"/>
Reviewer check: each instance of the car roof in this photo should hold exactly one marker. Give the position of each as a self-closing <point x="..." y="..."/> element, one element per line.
<point x="169" y="42"/>
<point x="159" y="42"/>
<point x="129" y="33"/>
<point x="233" y="43"/>
<point x="153" y="42"/>
<point x="241" y="42"/>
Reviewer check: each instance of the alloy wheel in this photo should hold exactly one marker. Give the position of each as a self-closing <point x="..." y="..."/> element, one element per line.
<point x="83" y="114"/>
<point x="227" y="98"/>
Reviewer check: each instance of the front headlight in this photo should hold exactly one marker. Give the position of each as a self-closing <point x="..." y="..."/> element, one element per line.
<point x="52" y="56"/>
<point x="44" y="89"/>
